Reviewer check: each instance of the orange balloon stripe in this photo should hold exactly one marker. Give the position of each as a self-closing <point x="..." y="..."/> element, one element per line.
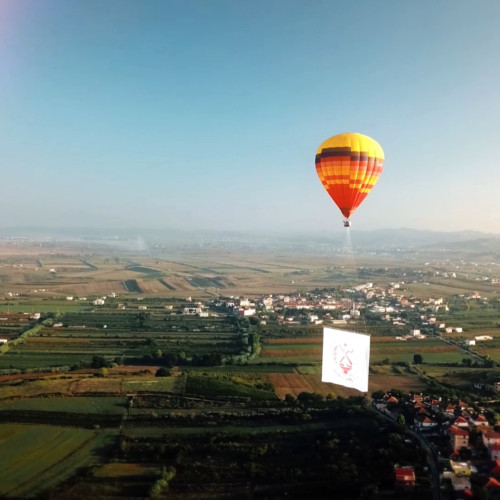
<point x="372" y="170"/>
<point x="348" y="179"/>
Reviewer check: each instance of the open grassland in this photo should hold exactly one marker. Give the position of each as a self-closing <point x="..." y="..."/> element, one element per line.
<point x="152" y="384"/>
<point x="42" y="307"/>
<point x="74" y="384"/>
<point x="81" y="404"/>
<point x="459" y="377"/>
<point x="36" y="457"/>
<point x="475" y="320"/>
<point x="489" y="348"/>
<point x="448" y="287"/>
<point x="208" y="386"/>
<point x="198" y="273"/>
<point x="118" y="334"/>
<point x="433" y="350"/>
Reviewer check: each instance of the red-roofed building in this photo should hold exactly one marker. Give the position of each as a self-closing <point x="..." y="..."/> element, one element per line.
<point x="494" y="450"/>
<point x="480" y="421"/>
<point x="496" y="468"/>
<point x="459" y="437"/>
<point x="435" y="405"/>
<point x="492" y="483"/>
<point x="461" y="422"/>
<point x="405" y="476"/>
<point x="490" y="437"/>
<point x="427" y="423"/>
<point x="450" y="411"/>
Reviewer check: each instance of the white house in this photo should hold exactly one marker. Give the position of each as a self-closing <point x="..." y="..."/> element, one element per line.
<point x="491" y="437"/>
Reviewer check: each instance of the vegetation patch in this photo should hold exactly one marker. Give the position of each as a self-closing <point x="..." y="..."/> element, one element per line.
<point x="132" y="286"/>
<point x="210" y="386"/>
<point x="36" y="457"/>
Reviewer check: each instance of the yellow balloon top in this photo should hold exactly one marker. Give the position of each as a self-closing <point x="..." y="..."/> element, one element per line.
<point x="356" y="142"/>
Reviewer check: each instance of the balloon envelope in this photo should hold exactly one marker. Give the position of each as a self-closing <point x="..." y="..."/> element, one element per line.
<point x="348" y="166"/>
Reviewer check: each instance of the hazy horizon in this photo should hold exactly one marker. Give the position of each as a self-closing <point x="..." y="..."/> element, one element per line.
<point x="213" y="234"/>
<point x="207" y="115"/>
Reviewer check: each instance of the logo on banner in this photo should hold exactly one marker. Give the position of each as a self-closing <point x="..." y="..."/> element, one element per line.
<point x="342" y="358"/>
<point x="346" y="358"/>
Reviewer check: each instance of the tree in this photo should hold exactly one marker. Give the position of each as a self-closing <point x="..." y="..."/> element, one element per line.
<point x="163" y="372"/>
<point x="99" y="362"/>
<point x="418" y="359"/>
<point x="401" y="420"/>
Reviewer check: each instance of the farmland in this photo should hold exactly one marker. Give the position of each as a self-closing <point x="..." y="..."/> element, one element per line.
<point x="37" y="457"/>
<point x="139" y="388"/>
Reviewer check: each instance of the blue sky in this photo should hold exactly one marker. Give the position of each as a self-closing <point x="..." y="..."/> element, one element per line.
<point x="208" y="114"/>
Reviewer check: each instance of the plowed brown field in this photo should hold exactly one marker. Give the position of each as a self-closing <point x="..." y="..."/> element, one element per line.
<point x="295" y="383"/>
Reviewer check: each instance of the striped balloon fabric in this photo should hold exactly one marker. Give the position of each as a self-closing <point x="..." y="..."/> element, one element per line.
<point x="348" y="166"/>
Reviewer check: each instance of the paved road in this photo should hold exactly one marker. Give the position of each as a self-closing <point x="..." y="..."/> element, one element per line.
<point x="461" y="347"/>
<point x="432" y="459"/>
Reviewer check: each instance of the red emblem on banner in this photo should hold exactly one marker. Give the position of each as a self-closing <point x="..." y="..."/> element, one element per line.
<point x="341" y="355"/>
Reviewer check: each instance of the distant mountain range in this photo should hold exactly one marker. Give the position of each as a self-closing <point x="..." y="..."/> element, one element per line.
<point x="379" y="239"/>
<point x="415" y="238"/>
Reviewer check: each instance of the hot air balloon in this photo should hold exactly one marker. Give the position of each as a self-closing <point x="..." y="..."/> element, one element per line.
<point x="348" y="166"/>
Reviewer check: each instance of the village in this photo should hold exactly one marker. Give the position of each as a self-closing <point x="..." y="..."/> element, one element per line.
<point x="462" y="440"/>
<point x="414" y="318"/>
<point x="460" y="435"/>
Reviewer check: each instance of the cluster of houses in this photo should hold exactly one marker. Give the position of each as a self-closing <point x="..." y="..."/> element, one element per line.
<point x="320" y="306"/>
<point x="388" y="302"/>
<point x="454" y="424"/>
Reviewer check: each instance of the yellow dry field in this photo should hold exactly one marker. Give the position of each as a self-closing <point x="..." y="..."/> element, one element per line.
<point x="120" y="380"/>
<point x="200" y="273"/>
<point x="92" y="288"/>
<point x="152" y="287"/>
<point x="295" y="383"/>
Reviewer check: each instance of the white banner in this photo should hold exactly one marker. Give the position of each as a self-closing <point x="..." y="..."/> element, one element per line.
<point x="346" y="358"/>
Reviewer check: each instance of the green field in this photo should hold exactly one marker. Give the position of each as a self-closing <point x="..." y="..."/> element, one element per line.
<point x="433" y="350"/>
<point x="36" y="457"/>
<point x="158" y="384"/>
<point x="81" y="404"/>
<point x="43" y="307"/>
